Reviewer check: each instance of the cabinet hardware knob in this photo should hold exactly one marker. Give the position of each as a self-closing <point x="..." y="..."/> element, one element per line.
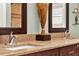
<point x="77" y="45"/>
<point x="71" y="52"/>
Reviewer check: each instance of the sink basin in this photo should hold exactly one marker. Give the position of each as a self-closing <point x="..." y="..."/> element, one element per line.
<point x="20" y="47"/>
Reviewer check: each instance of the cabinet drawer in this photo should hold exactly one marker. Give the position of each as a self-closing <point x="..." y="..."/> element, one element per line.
<point x="52" y="52"/>
<point x="68" y="51"/>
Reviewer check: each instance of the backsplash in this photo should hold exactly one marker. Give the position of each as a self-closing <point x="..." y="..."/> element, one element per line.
<point x="27" y="37"/>
<point x="19" y="38"/>
<point x="57" y="35"/>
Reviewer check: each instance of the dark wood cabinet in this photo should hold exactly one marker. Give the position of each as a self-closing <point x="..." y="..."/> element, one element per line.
<point x="68" y="51"/>
<point x="52" y="52"/>
<point x="71" y="50"/>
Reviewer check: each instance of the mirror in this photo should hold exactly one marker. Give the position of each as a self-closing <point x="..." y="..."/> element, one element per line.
<point x="16" y="15"/>
<point x="10" y="15"/>
<point x="13" y="18"/>
<point x="58" y="17"/>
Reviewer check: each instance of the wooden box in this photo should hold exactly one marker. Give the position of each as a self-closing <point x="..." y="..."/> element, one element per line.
<point x="43" y="37"/>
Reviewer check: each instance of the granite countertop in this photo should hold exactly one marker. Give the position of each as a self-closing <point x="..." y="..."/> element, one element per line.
<point x="44" y="45"/>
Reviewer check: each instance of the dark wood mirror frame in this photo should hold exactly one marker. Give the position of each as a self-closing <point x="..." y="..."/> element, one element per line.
<point x="23" y="29"/>
<point x="50" y="20"/>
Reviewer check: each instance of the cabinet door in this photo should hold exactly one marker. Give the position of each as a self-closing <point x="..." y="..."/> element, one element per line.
<point x="68" y="51"/>
<point x="52" y="52"/>
<point x="78" y="49"/>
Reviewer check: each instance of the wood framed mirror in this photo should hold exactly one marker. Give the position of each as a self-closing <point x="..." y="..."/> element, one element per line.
<point x="18" y="21"/>
<point x="58" y="17"/>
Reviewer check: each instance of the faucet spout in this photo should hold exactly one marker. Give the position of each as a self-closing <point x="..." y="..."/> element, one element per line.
<point x="11" y="38"/>
<point x="66" y="34"/>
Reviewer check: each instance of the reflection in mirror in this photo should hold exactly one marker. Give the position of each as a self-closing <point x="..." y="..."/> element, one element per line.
<point x="10" y="15"/>
<point x="15" y="15"/>
<point x="58" y="17"/>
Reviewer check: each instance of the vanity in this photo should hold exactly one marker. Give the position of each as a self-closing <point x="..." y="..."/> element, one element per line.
<point x="54" y="47"/>
<point x="68" y="50"/>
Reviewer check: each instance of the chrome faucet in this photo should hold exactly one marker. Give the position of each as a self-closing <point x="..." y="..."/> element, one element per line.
<point x="66" y="34"/>
<point x="11" y="38"/>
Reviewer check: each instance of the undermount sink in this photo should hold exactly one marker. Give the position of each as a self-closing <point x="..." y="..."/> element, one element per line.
<point x="21" y="47"/>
